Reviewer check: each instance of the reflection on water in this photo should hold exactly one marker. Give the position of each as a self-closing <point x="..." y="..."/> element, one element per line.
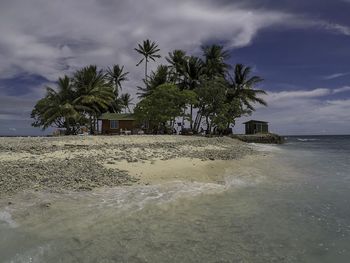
<point x="294" y="208"/>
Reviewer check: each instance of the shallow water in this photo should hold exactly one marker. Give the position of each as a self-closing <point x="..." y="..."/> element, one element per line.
<point x="293" y="208"/>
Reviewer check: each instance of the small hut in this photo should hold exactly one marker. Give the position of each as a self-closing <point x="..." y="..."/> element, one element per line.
<point x="117" y="123"/>
<point x="254" y="127"/>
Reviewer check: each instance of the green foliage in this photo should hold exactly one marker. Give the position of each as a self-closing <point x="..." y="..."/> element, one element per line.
<point x="163" y="105"/>
<point x="157" y="78"/>
<point x="177" y="60"/>
<point x="242" y="87"/>
<point x="187" y="83"/>
<point x="116" y="76"/>
<point x="212" y="101"/>
<point x="214" y="61"/>
<point x="58" y="108"/>
<point x="76" y="101"/>
<point x="94" y="91"/>
<point x="192" y="73"/>
<point x="221" y="101"/>
<point x="125" y="100"/>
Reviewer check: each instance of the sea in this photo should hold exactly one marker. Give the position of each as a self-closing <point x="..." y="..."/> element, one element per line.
<point x="292" y="206"/>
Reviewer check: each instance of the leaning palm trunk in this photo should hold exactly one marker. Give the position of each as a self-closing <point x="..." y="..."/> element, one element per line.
<point x="198" y="121"/>
<point x="191" y="117"/>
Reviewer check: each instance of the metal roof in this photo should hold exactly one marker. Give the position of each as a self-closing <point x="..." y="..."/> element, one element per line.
<point x="117" y="116"/>
<point x="255" y="121"/>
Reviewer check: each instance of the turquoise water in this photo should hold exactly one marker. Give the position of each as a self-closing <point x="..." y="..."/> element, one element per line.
<point x="295" y="207"/>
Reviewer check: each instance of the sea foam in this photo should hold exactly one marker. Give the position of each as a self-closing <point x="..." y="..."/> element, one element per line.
<point x="265" y="147"/>
<point x="7" y="219"/>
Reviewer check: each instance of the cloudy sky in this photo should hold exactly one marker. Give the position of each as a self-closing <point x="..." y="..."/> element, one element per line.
<point x="301" y="48"/>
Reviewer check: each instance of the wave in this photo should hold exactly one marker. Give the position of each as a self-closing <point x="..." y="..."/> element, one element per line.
<point x="307" y="140"/>
<point x="35" y="254"/>
<point x="136" y="198"/>
<point x="128" y="199"/>
<point x="265" y="147"/>
<point x="6" y="217"/>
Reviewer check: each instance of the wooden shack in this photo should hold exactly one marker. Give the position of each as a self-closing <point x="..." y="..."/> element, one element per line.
<point x="254" y="127"/>
<point x="117" y="123"/>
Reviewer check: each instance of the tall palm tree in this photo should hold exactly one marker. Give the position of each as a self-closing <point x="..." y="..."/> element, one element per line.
<point x="177" y="60"/>
<point x="126" y="101"/>
<point x="157" y="78"/>
<point x="242" y="87"/>
<point x="95" y="93"/>
<point x="149" y="50"/>
<point x="193" y="73"/>
<point x="116" y="75"/>
<point x="214" y="61"/>
<point x="193" y="70"/>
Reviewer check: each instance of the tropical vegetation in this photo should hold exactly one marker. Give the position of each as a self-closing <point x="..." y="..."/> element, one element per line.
<point x="204" y="91"/>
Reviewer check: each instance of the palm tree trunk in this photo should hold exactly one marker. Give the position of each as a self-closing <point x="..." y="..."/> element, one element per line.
<point x="191" y="120"/>
<point x="198" y="121"/>
<point x="68" y="131"/>
<point x="208" y="125"/>
<point x="146" y="71"/>
<point x="91" y="126"/>
<point x="183" y="120"/>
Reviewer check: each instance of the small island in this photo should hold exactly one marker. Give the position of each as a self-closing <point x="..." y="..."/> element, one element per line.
<point x="201" y="97"/>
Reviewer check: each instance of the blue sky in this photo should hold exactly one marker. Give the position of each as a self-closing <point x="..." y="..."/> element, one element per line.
<point x="300" y="48"/>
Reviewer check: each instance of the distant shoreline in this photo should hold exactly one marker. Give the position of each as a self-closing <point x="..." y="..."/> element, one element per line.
<point x="49" y="135"/>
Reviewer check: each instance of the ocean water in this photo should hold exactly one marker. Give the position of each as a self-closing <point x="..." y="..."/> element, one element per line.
<point x="291" y="207"/>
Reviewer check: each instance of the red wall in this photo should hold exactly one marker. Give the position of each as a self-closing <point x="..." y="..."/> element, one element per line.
<point x="125" y="125"/>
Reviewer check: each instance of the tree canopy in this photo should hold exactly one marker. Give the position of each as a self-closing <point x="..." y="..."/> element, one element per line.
<point x="77" y="101"/>
<point x="205" y="90"/>
<point x="162" y="106"/>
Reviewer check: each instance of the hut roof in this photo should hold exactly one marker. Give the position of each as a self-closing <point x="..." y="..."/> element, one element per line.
<point x="117" y="117"/>
<point x="255" y="121"/>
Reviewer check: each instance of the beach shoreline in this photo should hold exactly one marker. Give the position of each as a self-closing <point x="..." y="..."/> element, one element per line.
<point x="81" y="163"/>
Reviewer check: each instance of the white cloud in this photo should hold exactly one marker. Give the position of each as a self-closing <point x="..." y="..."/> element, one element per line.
<point x="345" y="30"/>
<point x="51" y="38"/>
<point x="48" y="38"/>
<point x="304" y="112"/>
<point x="342" y="89"/>
<point x="283" y="97"/>
<point x="335" y="76"/>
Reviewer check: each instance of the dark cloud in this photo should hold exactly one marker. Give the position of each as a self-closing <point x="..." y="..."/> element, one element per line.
<point x="47" y="39"/>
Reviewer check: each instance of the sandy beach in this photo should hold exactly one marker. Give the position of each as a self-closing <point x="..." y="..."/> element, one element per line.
<point x="82" y="163"/>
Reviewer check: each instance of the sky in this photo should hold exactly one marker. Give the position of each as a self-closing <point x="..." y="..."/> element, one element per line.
<point x="301" y="49"/>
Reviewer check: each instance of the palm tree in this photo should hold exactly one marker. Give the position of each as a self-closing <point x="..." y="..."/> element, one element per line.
<point x="150" y="51"/>
<point x="215" y="64"/>
<point x="116" y="76"/>
<point x="57" y="108"/>
<point x="177" y="60"/>
<point x="157" y="78"/>
<point x="126" y="101"/>
<point x="242" y="87"/>
<point x="95" y="93"/>
<point x="192" y="72"/>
